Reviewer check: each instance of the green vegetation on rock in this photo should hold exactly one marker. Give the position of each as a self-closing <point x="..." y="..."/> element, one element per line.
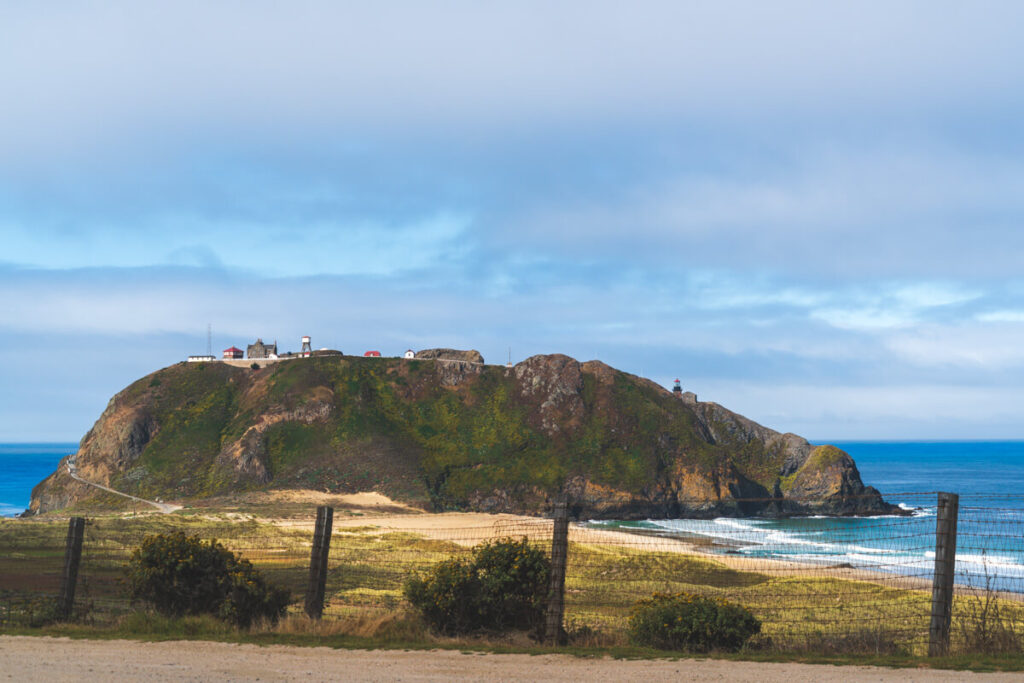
<point x="439" y="434"/>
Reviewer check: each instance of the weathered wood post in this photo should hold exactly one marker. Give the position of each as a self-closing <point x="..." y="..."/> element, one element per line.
<point x="72" y="559"/>
<point x="318" y="562"/>
<point x="559" y="556"/>
<point x="942" y="583"/>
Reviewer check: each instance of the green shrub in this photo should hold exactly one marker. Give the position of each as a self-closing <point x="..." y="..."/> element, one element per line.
<point x="503" y="587"/>
<point x="683" y="621"/>
<point x="182" y="575"/>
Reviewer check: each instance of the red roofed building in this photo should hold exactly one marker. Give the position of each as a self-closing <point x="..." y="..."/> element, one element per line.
<point x="233" y="353"/>
<point x="372" y="354"/>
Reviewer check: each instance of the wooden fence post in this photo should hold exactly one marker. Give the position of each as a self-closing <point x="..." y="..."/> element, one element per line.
<point x="72" y="559"/>
<point x="556" y="593"/>
<point x="318" y="562"/>
<point x="942" y="582"/>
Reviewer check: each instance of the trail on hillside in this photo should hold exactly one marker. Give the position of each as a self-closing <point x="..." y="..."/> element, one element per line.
<point x="162" y="507"/>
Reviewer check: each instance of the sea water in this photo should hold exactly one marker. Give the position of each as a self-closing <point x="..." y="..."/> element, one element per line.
<point x="22" y="466"/>
<point x="989" y="476"/>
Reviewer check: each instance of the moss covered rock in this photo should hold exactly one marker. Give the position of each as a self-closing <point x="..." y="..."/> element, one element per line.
<point x="444" y="431"/>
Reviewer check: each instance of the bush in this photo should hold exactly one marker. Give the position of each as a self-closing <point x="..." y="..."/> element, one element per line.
<point x="503" y="587"/>
<point x="684" y="621"/>
<point x="183" y="575"/>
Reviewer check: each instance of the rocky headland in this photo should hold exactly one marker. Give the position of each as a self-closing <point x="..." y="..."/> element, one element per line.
<point x="444" y="431"/>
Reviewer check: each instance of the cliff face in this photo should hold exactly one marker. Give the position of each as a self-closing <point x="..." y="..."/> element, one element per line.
<point x="445" y="431"/>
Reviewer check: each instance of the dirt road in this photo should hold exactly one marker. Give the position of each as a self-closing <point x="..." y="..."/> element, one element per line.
<point x="162" y="507"/>
<point x="61" y="659"/>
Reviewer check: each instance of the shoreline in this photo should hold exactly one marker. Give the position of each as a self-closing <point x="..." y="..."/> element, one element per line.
<point x="291" y="509"/>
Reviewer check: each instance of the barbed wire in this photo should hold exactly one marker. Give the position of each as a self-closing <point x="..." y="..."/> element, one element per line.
<point x="803" y="577"/>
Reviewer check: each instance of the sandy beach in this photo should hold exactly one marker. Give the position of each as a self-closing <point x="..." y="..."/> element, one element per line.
<point x="370" y="510"/>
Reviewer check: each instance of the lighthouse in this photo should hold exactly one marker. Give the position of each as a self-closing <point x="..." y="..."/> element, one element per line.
<point x="307" y="348"/>
<point x="677" y="389"/>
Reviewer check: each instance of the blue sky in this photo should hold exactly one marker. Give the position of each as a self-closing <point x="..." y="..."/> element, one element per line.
<point x="809" y="212"/>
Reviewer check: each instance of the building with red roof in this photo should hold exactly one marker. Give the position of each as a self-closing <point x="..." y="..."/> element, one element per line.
<point x="233" y="353"/>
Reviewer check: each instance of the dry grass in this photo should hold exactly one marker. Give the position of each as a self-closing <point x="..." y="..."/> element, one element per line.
<point x="813" y="611"/>
<point x="398" y="626"/>
<point x="983" y="623"/>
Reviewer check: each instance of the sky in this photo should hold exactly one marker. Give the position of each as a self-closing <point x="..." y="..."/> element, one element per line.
<point x="811" y="213"/>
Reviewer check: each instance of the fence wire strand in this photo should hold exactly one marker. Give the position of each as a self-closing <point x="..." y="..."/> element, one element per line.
<point x="865" y="581"/>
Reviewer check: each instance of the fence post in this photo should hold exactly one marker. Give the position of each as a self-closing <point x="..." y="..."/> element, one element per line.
<point x="318" y="562"/>
<point x="556" y="593"/>
<point x="942" y="582"/>
<point x="72" y="559"/>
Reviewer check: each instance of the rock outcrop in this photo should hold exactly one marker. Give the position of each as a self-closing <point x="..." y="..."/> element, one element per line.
<point x="447" y="432"/>
<point x="472" y="356"/>
<point x="454" y="366"/>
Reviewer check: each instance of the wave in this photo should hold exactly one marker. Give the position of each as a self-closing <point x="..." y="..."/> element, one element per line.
<point x="916" y="510"/>
<point x="983" y="560"/>
<point x="754" y="536"/>
<point x="858" y="543"/>
<point x="7" y="510"/>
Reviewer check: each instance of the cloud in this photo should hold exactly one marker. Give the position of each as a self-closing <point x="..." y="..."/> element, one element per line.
<point x="122" y="68"/>
<point x="925" y="410"/>
<point x="1001" y="317"/>
<point x="796" y="195"/>
<point x="921" y="211"/>
<point x="321" y="247"/>
<point x="992" y="347"/>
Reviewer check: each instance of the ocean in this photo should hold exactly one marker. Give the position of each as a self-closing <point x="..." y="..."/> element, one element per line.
<point x="989" y="476"/>
<point x="22" y="466"/>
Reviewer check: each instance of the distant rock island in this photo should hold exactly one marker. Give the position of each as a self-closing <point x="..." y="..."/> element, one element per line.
<point x="444" y="431"/>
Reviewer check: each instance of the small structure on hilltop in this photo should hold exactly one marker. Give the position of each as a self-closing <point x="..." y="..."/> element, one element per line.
<point x="233" y="353"/>
<point x="372" y="354"/>
<point x="201" y="359"/>
<point x="410" y="354"/>
<point x="307" y="347"/>
<point x="261" y="350"/>
<point x="684" y="396"/>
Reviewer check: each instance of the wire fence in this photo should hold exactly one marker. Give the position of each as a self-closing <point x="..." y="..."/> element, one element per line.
<point x="820" y="583"/>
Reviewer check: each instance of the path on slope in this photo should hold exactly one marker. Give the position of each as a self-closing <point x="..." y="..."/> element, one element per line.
<point x="162" y="507"/>
<point x="28" y="658"/>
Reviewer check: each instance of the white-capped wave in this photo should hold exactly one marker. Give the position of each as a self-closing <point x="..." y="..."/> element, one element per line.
<point x="757" y="537"/>
<point x="917" y="510"/>
<point x="973" y="561"/>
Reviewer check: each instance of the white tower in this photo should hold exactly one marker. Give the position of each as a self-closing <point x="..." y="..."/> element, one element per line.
<point x="307" y="348"/>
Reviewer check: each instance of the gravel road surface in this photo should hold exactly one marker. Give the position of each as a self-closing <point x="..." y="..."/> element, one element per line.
<point x="61" y="659"/>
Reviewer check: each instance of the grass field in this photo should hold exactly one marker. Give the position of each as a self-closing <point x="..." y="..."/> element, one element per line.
<point x="810" y="612"/>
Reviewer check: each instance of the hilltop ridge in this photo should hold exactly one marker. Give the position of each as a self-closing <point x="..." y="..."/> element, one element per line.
<point x="443" y="431"/>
